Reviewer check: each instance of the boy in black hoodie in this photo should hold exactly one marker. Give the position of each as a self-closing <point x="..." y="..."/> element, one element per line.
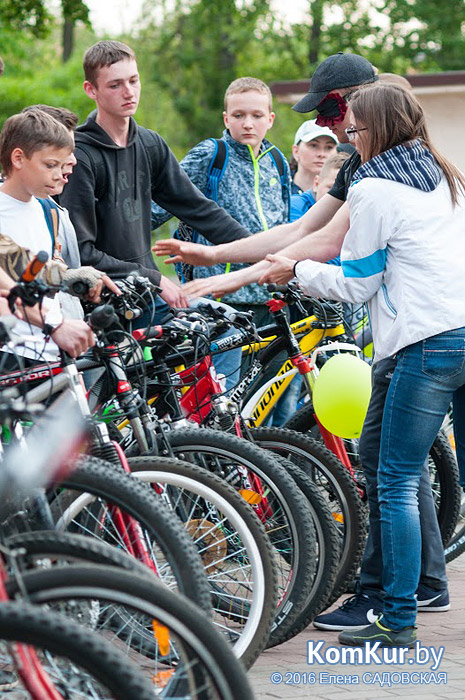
<point x="121" y="168"/>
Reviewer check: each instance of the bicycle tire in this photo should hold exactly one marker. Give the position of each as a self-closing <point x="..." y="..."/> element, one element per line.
<point x="57" y="635"/>
<point x="242" y="547"/>
<point x="197" y="653"/>
<point x="456" y="545"/>
<point x="40" y="547"/>
<point x="443" y="470"/>
<point x="322" y="466"/>
<point x="207" y="447"/>
<point x="94" y="479"/>
<point x="43" y="547"/>
<point x="329" y="553"/>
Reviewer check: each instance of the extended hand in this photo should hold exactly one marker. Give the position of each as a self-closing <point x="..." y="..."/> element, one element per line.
<point x="172" y="293"/>
<point x="217" y="286"/>
<point x="191" y="253"/>
<point x="280" y="271"/>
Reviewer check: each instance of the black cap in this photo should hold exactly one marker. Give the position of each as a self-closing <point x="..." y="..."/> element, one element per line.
<point x="338" y="71"/>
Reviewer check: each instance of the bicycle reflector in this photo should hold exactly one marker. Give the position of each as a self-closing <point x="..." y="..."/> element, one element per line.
<point x="341" y="395"/>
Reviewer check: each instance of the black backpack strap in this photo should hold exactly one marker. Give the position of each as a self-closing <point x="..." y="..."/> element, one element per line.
<point x="98" y="166"/>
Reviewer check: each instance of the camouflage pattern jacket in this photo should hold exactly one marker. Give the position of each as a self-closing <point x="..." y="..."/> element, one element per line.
<point x="250" y="190"/>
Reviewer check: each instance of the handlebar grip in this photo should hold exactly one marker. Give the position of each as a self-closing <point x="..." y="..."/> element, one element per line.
<point x="102" y="317"/>
<point x="282" y="288"/>
<point x="80" y="288"/>
<point x="154" y="332"/>
<point x="34" y="266"/>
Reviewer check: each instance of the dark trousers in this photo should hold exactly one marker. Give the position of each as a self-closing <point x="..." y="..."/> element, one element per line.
<point x="433" y="566"/>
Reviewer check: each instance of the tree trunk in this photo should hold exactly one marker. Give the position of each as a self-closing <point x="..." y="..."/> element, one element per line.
<point x="68" y="38"/>
<point x="316" y="11"/>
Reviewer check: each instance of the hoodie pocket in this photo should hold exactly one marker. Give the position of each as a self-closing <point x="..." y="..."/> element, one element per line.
<point x="389" y="304"/>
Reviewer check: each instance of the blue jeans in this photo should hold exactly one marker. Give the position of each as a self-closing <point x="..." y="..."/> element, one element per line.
<point x="428" y="375"/>
<point x="433" y="565"/>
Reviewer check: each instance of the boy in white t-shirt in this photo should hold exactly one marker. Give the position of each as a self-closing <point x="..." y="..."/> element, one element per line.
<point x="34" y="148"/>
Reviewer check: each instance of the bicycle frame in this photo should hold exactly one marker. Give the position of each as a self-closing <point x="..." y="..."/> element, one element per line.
<point x="55" y="379"/>
<point x="303" y="339"/>
<point x="34" y="677"/>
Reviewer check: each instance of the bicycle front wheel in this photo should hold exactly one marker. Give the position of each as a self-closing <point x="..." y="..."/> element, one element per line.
<point x="232" y="543"/>
<point x="279" y="503"/>
<point x="85" y="501"/>
<point x="80" y="664"/>
<point x="336" y="485"/>
<point x="179" y="652"/>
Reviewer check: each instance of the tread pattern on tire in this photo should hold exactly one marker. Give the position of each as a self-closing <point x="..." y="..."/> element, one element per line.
<point x="23" y="623"/>
<point x="316" y="456"/>
<point x="246" y="513"/>
<point x="193" y="442"/>
<point x="94" y="476"/>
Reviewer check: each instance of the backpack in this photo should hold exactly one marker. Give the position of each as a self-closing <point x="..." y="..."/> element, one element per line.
<point x="215" y="172"/>
<point x="52" y="217"/>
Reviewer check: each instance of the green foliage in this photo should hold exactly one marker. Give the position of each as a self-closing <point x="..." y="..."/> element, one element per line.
<point x="190" y="50"/>
<point x="430" y="36"/>
<point x="29" y="15"/>
<point x="192" y="53"/>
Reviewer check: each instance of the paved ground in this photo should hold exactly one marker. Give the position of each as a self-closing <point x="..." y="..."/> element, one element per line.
<point x="294" y="678"/>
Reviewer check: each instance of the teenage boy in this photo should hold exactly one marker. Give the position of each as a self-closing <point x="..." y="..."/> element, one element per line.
<point x="33" y="149"/>
<point x="328" y="222"/>
<point x="254" y="188"/>
<point x="251" y="188"/>
<point x="121" y="168"/>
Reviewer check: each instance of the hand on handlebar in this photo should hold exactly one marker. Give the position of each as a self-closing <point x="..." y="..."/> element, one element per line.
<point x="280" y="271"/>
<point x="87" y="282"/>
<point x="75" y="337"/>
<point x="191" y="253"/>
<point x="95" y="292"/>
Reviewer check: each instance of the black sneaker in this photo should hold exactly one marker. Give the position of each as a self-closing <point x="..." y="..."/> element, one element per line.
<point x="432" y="600"/>
<point x="377" y="632"/>
<point x="8" y="680"/>
<point x="356" y="612"/>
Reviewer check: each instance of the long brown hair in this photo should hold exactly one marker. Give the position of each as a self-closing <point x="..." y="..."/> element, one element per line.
<point x="394" y="116"/>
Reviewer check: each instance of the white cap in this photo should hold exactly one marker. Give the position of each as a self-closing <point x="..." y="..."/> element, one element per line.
<point x="309" y="130"/>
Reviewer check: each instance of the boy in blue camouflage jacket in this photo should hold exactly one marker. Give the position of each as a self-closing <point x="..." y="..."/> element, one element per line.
<point x="251" y="189"/>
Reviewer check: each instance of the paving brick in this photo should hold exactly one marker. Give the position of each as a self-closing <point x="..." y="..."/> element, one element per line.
<point x="435" y="629"/>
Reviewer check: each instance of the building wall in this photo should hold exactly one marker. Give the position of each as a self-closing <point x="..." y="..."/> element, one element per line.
<point x="445" y="111"/>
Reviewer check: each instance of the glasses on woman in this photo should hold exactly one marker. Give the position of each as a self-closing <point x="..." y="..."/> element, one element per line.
<point x="351" y="131"/>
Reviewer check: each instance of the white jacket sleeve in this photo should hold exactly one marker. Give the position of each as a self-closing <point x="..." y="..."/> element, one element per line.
<point x="363" y="254"/>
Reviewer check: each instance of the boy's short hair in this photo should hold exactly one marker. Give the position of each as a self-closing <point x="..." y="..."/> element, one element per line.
<point x="334" y="162"/>
<point x="61" y="114"/>
<point x="246" y="85"/>
<point x="102" y="54"/>
<point x="31" y="131"/>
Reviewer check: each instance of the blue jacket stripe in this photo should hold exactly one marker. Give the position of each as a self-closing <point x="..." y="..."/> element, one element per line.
<point x="365" y="267"/>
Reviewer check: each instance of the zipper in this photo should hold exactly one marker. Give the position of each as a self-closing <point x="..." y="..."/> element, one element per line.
<point x="388" y="301"/>
<point x="257" y="184"/>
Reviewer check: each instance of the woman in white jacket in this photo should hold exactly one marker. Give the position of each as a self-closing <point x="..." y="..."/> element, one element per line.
<point x="404" y="254"/>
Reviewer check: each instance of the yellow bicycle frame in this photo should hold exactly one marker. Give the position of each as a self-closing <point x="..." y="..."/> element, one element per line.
<point x="309" y="340"/>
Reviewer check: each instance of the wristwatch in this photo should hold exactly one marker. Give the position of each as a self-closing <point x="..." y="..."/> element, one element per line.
<point x="53" y="319"/>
